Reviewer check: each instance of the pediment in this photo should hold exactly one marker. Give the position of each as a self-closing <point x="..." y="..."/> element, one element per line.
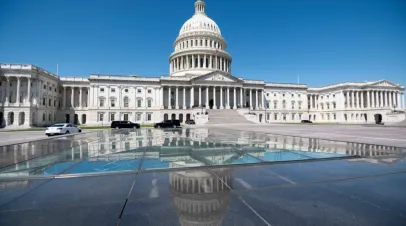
<point x="216" y="76"/>
<point x="384" y="83"/>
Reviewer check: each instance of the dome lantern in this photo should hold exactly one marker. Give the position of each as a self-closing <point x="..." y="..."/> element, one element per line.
<point x="199" y="6"/>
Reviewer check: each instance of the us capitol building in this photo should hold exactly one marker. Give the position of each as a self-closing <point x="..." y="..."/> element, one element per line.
<point x="200" y="83"/>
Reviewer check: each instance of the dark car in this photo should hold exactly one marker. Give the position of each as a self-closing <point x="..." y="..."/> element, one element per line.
<point x="167" y="124"/>
<point x="306" y="121"/>
<point x="190" y="122"/>
<point x="124" y="124"/>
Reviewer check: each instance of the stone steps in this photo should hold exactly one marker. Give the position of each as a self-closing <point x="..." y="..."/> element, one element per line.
<point x="226" y="116"/>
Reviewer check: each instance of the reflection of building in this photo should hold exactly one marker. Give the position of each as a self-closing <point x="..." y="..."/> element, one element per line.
<point x="199" y="77"/>
<point x="200" y="197"/>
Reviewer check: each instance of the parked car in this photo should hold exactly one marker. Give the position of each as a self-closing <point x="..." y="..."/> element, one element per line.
<point x="167" y="124"/>
<point x="306" y="121"/>
<point x="190" y="122"/>
<point x="124" y="124"/>
<point x="62" y="128"/>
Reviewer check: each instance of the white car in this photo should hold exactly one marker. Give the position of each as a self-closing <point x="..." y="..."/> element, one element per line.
<point x="62" y="128"/>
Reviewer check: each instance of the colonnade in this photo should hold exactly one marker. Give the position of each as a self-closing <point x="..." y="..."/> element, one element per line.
<point x="216" y="97"/>
<point x="360" y="99"/>
<point x="200" y="61"/>
<point x="70" y="102"/>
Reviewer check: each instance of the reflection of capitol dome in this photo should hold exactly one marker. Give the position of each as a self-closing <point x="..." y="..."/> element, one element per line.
<point x="200" y="198"/>
<point x="199" y="48"/>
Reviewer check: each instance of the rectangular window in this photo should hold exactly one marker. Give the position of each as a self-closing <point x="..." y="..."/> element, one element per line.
<point x="139" y="117"/>
<point x="101" y="102"/>
<point x="101" y="117"/>
<point x="138" y="90"/>
<point x="113" y="90"/>
<point x="43" y="101"/>
<point x="49" y="102"/>
<point x="101" y="89"/>
<point x="149" y="117"/>
<point x="139" y="103"/>
<point x="125" y="117"/>
<point x="275" y="117"/>
<point x="112" y="116"/>
<point x="300" y="116"/>
<point x="149" y="103"/>
<point x="149" y="91"/>
<point x="113" y="145"/>
<point x="127" y="145"/>
<point x="113" y="103"/>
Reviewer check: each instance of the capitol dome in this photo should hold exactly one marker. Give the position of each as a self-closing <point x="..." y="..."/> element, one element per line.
<point x="199" y="48"/>
<point x="200" y="22"/>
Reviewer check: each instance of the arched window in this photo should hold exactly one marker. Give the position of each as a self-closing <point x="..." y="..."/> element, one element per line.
<point x="284" y="104"/>
<point x="126" y="102"/>
<point x="10" y="118"/>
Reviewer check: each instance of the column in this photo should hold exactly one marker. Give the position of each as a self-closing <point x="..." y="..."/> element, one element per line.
<point x="169" y="98"/>
<point x="193" y="61"/>
<point x="402" y="101"/>
<point x="356" y="99"/>
<point x="384" y="103"/>
<point x="198" y="61"/>
<point x="177" y="97"/>
<point x="214" y="98"/>
<point x="184" y="98"/>
<point x="362" y="99"/>
<point x="368" y="100"/>
<point x="250" y="99"/>
<point x="210" y="62"/>
<point x="18" y="90"/>
<point x="263" y="99"/>
<point x="7" y="89"/>
<point x="200" y="91"/>
<point x="161" y="97"/>
<point x="241" y="101"/>
<point x="28" y="91"/>
<point x="235" y="99"/>
<point x="352" y="99"/>
<point x="72" y="97"/>
<point x="221" y="97"/>
<point x="207" y="97"/>
<point x="390" y="99"/>
<point x="256" y="99"/>
<point x="216" y="63"/>
<point x="64" y="97"/>
<point x="204" y="61"/>
<point x="192" y="97"/>
<point x="311" y="101"/>
<point x="80" y="97"/>
<point x="187" y="62"/>
<point x="228" y="98"/>
<point x="374" y="99"/>
<point x="381" y="99"/>
<point x="388" y="93"/>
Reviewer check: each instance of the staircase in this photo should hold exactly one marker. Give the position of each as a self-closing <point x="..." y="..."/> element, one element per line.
<point x="226" y="116"/>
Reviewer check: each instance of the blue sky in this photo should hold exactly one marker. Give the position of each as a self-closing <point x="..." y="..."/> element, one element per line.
<point x="323" y="41"/>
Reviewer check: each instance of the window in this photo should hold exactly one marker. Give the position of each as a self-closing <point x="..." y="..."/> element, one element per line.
<point x="300" y="116"/>
<point x="101" y="102"/>
<point x="267" y="94"/>
<point x="334" y="105"/>
<point x="49" y="117"/>
<point x="284" y="117"/>
<point x="284" y="103"/>
<point x="275" y="104"/>
<point x="101" y="89"/>
<point x="101" y="117"/>
<point x="293" y="116"/>
<point x="283" y="95"/>
<point x="149" y="91"/>
<point x="274" y="94"/>
<point x="43" y="117"/>
<point x="149" y="103"/>
<point x="45" y="87"/>
<point x="54" y="103"/>
<point x="149" y="116"/>
<point x="293" y="104"/>
<point x="334" y="116"/>
<point x="113" y="145"/>
<point x="276" y="117"/>
<point x="112" y="116"/>
<point x="112" y="102"/>
<point x="54" y="89"/>
<point x="298" y="95"/>
<point x="138" y="116"/>
<point x="138" y="90"/>
<point x="293" y="95"/>
<point x="125" y="102"/>
<point x="43" y="101"/>
<point x="49" y="102"/>
<point x="139" y="103"/>
<point x="126" y="90"/>
<point x="113" y="90"/>
<point x="125" y="117"/>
